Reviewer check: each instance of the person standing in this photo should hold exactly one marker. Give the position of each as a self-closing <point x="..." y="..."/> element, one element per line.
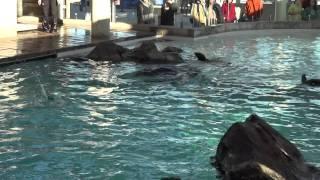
<point x="212" y="16"/>
<point x="253" y="9"/>
<point x="145" y="12"/>
<point x="50" y="15"/>
<point x="217" y="10"/>
<point x="167" y="13"/>
<point x="310" y="12"/>
<point x="229" y="11"/>
<point x="294" y="11"/>
<point x="199" y="14"/>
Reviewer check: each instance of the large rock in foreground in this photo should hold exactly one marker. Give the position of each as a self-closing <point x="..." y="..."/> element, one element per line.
<point x="253" y="150"/>
<point x="146" y="53"/>
<point x="107" y="51"/>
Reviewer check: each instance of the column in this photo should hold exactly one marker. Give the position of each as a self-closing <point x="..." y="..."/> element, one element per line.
<point x="109" y="9"/>
<point x="113" y="10"/>
<point x="67" y="9"/>
<point x="100" y="18"/>
<point x="281" y="10"/>
<point x="20" y="8"/>
<point x="8" y="19"/>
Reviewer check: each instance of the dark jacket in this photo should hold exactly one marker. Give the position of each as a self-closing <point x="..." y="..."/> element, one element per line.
<point x="144" y="13"/>
<point x="167" y="15"/>
<point x="217" y="10"/>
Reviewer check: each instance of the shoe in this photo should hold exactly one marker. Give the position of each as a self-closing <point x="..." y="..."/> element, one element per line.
<point x="53" y="28"/>
<point x="45" y="27"/>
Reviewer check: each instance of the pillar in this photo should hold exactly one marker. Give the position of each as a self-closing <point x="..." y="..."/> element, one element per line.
<point x="20" y="8"/>
<point x="113" y="10"/>
<point x="8" y="19"/>
<point x="281" y="10"/>
<point x="109" y="9"/>
<point x="68" y="9"/>
<point x="100" y="18"/>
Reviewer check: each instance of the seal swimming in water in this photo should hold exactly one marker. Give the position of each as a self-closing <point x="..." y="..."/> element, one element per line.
<point x="203" y="58"/>
<point x="310" y="82"/>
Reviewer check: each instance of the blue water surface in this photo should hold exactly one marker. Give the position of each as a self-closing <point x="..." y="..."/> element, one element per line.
<point x="62" y="119"/>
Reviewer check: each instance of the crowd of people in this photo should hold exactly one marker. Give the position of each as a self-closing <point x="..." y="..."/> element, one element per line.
<point x="209" y="12"/>
<point x="203" y="12"/>
<point x="303" y="10"/>
<point x="145" y="12"/>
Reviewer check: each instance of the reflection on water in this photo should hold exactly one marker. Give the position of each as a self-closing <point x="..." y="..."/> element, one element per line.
<point x="61" y="118"/>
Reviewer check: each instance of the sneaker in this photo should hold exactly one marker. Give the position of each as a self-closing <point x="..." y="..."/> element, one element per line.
<point x="45" y="27"/>
<point x="53" y="28"/>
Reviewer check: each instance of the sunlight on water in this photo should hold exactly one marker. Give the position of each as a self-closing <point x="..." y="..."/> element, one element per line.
<point x="96" y="120"/>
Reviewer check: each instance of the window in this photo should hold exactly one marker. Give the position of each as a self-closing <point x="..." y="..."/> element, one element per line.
<point x="158" y="2"/>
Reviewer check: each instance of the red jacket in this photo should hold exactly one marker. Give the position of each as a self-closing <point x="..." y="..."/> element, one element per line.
<point x="229" y="15"/>
<point x="253" y="8"/>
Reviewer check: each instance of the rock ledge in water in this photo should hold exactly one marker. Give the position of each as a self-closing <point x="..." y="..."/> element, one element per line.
<point x="253" y="150"/>
<point x="146" y="53"/>
<point x="107" y="51"/>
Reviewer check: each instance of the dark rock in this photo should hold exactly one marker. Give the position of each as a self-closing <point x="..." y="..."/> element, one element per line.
<point x="171" y="178"/>
<point x="157" y="72"/>
<point x="163" y="58"/>
<point x="107" y="51"/>
<point x="165" y="73"/>
<point x="79" y="59"/>
<point x="140" y="54"/>
<point x="172" y="49"/>
<point x="254" y="150"/>
<point x="148" y="46"/>
<point x="147" y="53"/>
<point x="168" y="73"/>
<point x="310" y="82"/>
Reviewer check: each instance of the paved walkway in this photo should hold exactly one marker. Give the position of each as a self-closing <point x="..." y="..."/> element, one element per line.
<point x="73" y="35"/>
<point x="30" y="44"/>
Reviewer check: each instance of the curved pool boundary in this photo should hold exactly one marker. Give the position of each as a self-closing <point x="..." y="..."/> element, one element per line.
<point x="155" y="32"/>
<point x="72" y="50"/>
<point x="227" y="27"/>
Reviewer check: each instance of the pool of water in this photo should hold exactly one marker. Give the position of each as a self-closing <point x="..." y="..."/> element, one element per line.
<point x="68" y="120"/>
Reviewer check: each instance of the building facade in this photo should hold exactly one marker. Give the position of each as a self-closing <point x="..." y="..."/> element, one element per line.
<point x="12" y="9"/>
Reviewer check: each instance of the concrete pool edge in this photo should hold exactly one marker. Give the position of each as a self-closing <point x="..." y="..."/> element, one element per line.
<point x="162" y="31"/>
<point x="66" y="51"/>
<point x="228" y="27"/>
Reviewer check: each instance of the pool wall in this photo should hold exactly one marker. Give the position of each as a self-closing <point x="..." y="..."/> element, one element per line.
<point x="221" y="28"/>
<point x="161" y="31"/>
<point x="72" y="50"/>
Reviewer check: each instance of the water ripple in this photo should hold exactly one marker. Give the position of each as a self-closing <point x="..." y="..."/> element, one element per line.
<point x="96" y="120"/>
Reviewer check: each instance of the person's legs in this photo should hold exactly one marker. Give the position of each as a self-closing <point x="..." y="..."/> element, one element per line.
<point x="46" y="15"/>
<point x="54" y="15"/>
